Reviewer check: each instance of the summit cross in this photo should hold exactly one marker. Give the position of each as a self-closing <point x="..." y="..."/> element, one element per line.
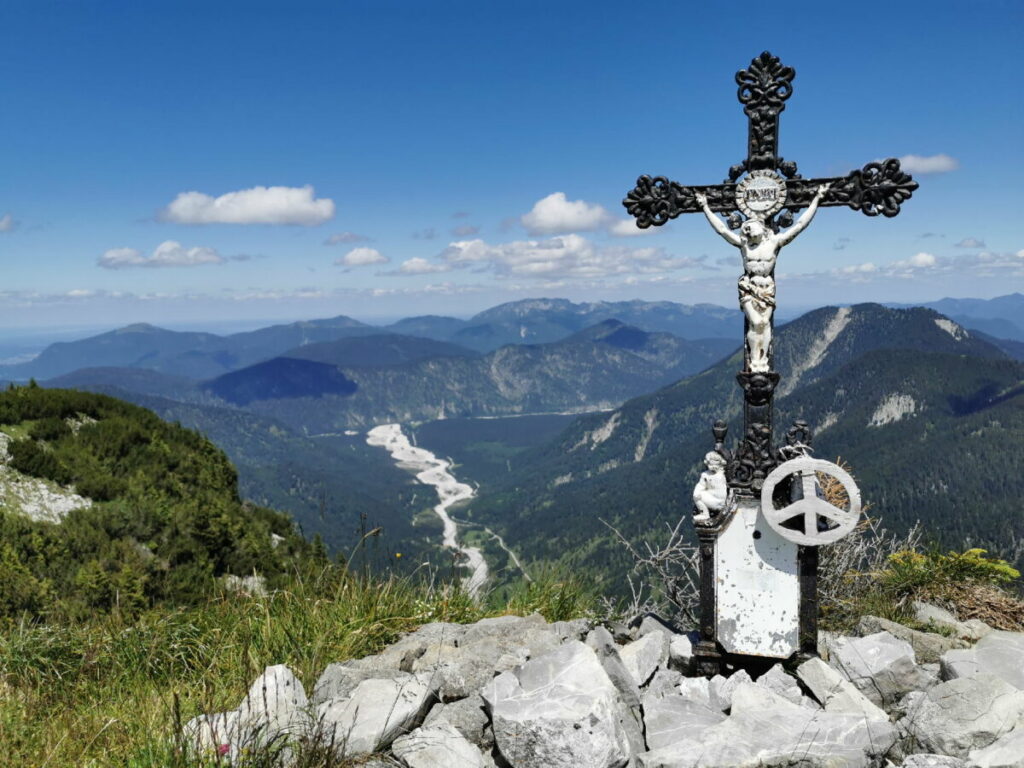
<point x="759" y="210"/>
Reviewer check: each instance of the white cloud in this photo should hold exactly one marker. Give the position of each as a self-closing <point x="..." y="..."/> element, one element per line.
<point x="555" y="214"/>
<point x="940" y="163"/>
<point x="922" y="260"/>
<point x="259" y="205"/>
<point x="168" y="254"/>
<point x="465" y="231"/>
<point x="970" y="242"/>
<point x="360" y="257"/>
<point x="419" y="266"/>
<point x="7" y="223"/>
<point x="628" y="228"/>
<point x="346" y="237"/>
<point x="566" y="256"/>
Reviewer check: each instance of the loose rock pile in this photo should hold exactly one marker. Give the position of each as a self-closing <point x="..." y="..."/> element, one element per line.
<point x="521" y="693"/>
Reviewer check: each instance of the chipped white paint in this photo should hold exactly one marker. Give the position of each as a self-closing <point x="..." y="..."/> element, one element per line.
<point x="757" y="587"/>
<point x="650" y="424"/>
<point x="597" y="436"/>
<point x="817" y="351"/>
<point x="951" y="328"/>
<point x="431" y="470"/>
<point x="892" y="408"/>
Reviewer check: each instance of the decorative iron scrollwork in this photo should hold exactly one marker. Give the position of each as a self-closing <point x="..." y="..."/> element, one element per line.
<point x="767" y="84"/>
<point x="657" y="200"/>
<point x="879" y="188"/>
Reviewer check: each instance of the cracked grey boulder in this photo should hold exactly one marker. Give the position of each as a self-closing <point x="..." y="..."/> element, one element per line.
<point x="376" y="714"/>
<point x="437" y="746"/>
<point x="965" y="714"/>
<point x="463" y="670"/>
<point x="928" y="646"/>
<point x="1005" y="752"/>
<point x="468" y="717"/>
<point x="836" y="693"/>
<point x="1000" y="654"/>
<point x="559" y="710"/>
<point x="341" y="678"/>
<point x="645" y="656"/>
<point x="399" y="656"/>
<point x="767" y="730"/>
<point x="881" y="666"/>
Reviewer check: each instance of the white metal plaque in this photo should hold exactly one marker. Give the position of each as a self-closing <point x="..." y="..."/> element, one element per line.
<point x="760" y="194"/>
<point x="757" y="587"/>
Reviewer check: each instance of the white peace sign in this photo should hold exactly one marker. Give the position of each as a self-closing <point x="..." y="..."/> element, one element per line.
<point x="810" y="507"/>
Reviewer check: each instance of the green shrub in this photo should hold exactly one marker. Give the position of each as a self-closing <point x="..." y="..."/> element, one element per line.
<point x="30" y="458"/>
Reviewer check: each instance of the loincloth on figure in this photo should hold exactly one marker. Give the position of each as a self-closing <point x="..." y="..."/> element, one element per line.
<point x="757" y="290"/>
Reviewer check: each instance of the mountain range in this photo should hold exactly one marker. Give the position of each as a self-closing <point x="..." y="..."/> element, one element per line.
<point x="288" y="404"/>
<point x="930" y="418"/>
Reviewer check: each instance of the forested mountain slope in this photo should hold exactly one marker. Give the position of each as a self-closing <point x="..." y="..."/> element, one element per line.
<point x="635" y="466"/>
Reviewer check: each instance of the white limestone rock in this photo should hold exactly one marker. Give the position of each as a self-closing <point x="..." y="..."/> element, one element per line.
<point x="965" y="714"/>
<point x="882" y="667"/>
<point x="680" y="652"/>
<point x="559" y="710"/>
<point x="644" y="656"/>
<point x="377" y="713"/>
<point x="696" y="689"/>
<point x="468" y="717"/>
<point x="600" y="641"/>
<point x="720" y="688"/>
<point x="437" y="746"/>
<point x="933" y="761"/>
<point x="341" y="678"/>
<point x="652" y="623"/>
<point x="668" y="719"/>
<point x="465" y="669"/>
<point x="973" y="629"/>
<point x="778" y="681"/>
<point x="1000" y="654"/>
<point x="274" y="711"/>
<point x="836" y="693"/>
<point x="928" y="646"/>
<point x="664" y="683"/>
<point x="767" y="730"/>
<point x="1005" y="752"/>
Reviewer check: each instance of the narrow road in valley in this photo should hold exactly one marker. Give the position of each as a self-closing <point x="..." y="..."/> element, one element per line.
<point x="431" y="470"/>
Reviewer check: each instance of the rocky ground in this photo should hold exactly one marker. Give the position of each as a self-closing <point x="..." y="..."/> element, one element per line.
<point x="522" y="693"/>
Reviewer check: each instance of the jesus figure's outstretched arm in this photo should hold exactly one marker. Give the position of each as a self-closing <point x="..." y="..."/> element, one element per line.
<point x="801" y="224"/>
<point x="717" y="223"/>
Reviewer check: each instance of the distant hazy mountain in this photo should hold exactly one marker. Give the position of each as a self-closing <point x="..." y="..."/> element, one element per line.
<point x="377" y="350"/>
<point x="534" y="321"/>
<point x="193" y="355"/>
<point x="635" y="465"/>
<point x="134" y="346"/>
<point x="595" y="369"/>
<point x="435" y="327"/>
<point x="1002" y="317"/>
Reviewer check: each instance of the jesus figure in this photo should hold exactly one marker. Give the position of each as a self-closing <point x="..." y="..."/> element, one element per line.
<point x="759" y="247"/>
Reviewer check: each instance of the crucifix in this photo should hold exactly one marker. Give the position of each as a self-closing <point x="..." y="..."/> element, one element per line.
<point x="759" y="559"/>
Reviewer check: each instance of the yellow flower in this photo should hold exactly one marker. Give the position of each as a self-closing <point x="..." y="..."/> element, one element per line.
<point x="398" y="554"/>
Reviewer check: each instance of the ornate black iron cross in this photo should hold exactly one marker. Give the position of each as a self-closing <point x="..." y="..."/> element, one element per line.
<point x="770" y="191"/>
<point x="877" y="188"/>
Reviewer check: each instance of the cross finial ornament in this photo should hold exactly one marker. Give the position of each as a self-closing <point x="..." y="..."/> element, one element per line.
<point x="758" y="561"/>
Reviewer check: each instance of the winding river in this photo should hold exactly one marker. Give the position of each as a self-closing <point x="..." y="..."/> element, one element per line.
<point x="431" y="470"/>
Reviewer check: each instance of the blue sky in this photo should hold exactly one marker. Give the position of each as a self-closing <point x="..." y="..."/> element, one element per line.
<point x="202" y="162"/>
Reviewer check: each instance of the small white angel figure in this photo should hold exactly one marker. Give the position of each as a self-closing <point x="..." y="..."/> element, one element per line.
<point x="711" y="491"/>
